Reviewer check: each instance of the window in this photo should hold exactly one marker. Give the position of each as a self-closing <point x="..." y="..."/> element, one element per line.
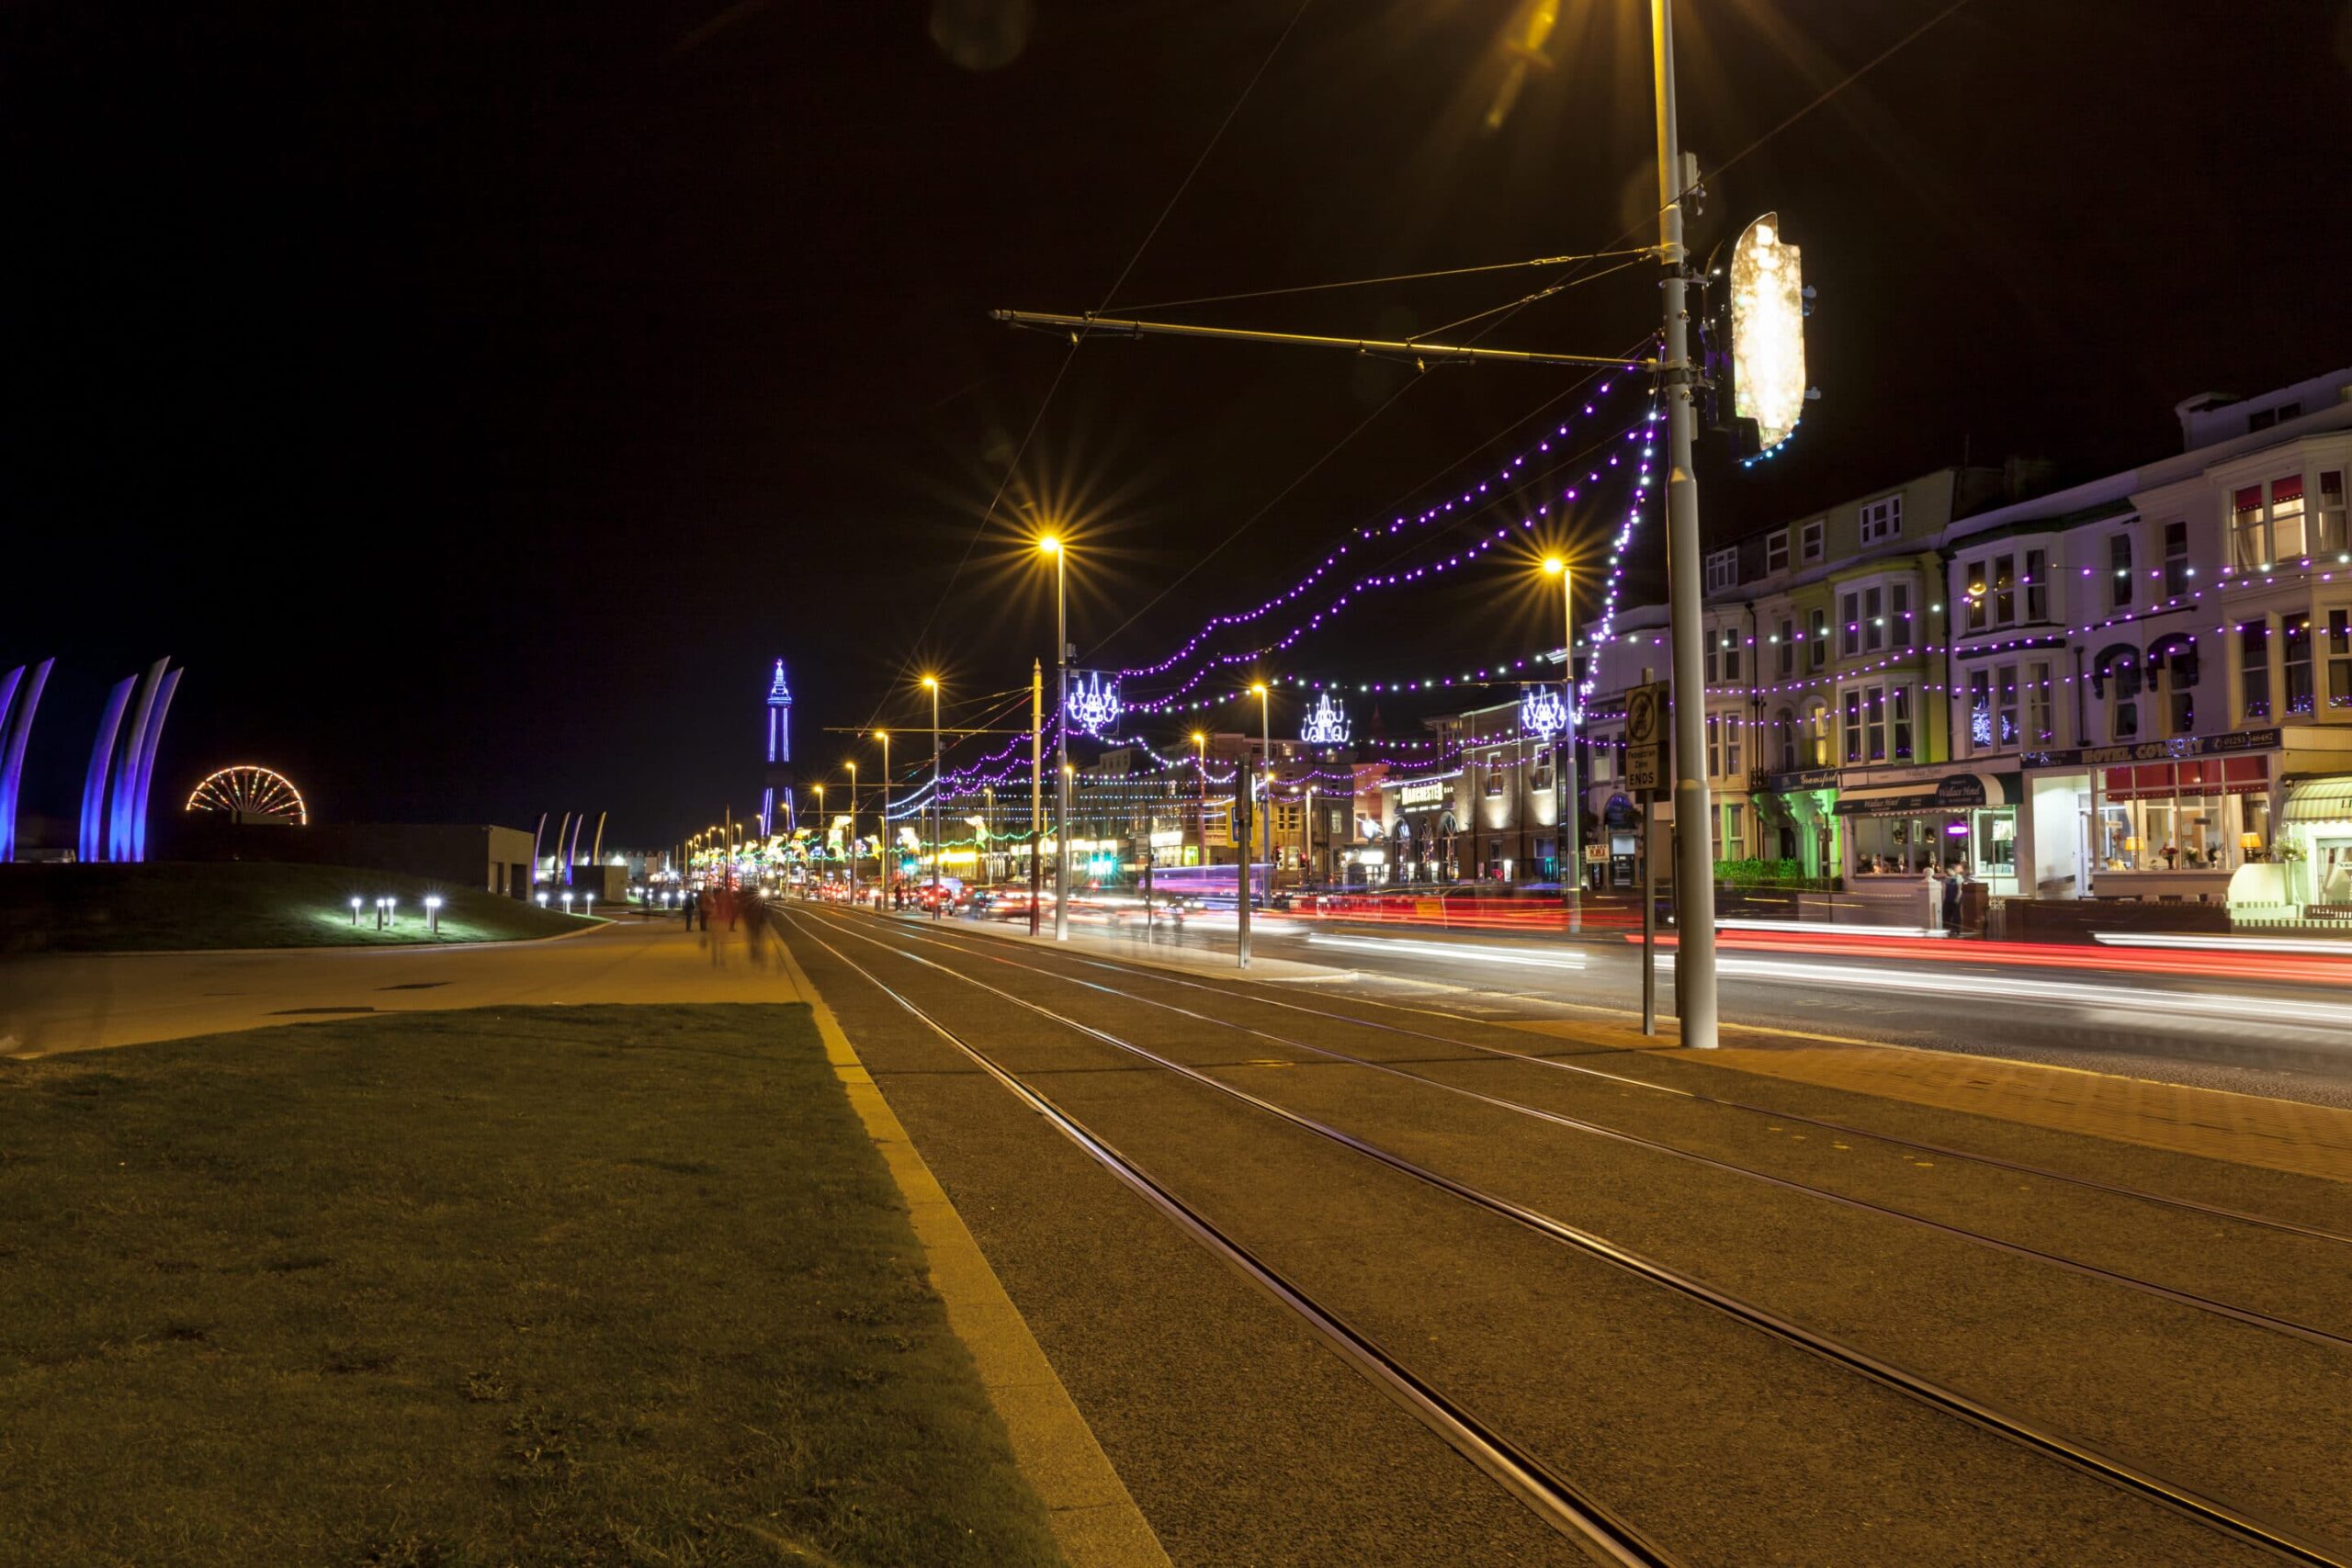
<point x="1850" y="612"/>
<point x="2005" y="703"/>
<point x="1820" y="638"/>
<point x="1735" y="835"/>
<point x="2331" y="535"/>
<point x="1873" y="619"/>
<point x="1712" y="666"/>
<point x="2254" y="669"/>
<point x="1714" y="746"/>
<point x="1785" y="726"/>
<point x="2260" y="535"/>
<point x="1787" y="640"/>
<point x="1899" y="711"/>
<point x="2037" y="585"/>
<point x="1776" y="552"/>
<point x="1731" y="653"/>
<point x="1980" y="604"/>
<point x="2297" y="664"/>
<point x="1980" y="709"/>
<point x="1722" y="570"/>
<point x="1817" y="722"/>
<point x="2038" y="731"/>
<point x="1732" y="728"/>
<point x="1882" y="520"/>
<point x="2339" y="658"/>
<point x="2119" y="560"/>
<point x="2115" y="675"/>
<point x="1899" y="614"/>
<point x="2004" y="590"/>
<point x="1866" y="722"/>
<point x="2176" y="559"/>
<point x="1809" y="539"/>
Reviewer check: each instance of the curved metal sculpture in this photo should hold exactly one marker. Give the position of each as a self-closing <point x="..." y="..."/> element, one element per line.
<point x="18" y="700"/>
<point x="153" y="738"/>
<point x="249" y="787"/>
<point x="91" y="845"/>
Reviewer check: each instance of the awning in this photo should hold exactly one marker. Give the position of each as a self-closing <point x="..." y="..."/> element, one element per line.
<point x="1954" y="792"/>
<point x="2319" y="800"/>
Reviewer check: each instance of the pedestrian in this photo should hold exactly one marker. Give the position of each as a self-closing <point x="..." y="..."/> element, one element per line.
<point x="686" y="908"/>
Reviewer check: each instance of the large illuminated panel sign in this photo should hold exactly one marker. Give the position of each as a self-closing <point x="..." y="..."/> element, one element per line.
<point x="1767" y="332"/>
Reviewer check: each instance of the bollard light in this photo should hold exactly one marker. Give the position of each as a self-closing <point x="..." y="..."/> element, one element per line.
<point x="392" y="911"/>
<point x="432" y="913"/>
<point x="379" y="912"/>
<point x="355" y="910"/>
<point x="566" y="901"/>
<point x="592" y="906"/>
<point x="543" y="900"/>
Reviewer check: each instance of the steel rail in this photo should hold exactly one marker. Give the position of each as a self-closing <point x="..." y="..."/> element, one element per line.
<point x="1559" y="1504"/>
<point x="2247" y="1315"/>
<point x="2225" y="1517"/>
<point x="2020" y="1168"/>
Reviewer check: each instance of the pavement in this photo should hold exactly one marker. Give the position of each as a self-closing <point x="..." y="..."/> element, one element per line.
<point x="88" y="1002"/>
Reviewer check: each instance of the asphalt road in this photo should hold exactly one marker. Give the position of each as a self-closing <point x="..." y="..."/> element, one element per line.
<point x="2262" y="1035"/>
<point x="2205" y="1351"/>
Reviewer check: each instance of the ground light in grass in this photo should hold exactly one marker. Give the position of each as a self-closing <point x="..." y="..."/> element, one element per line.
<point x="564" y="1285"/>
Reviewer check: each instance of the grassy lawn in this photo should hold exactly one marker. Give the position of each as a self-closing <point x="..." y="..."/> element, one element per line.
<point x="180" y="906"/>
<point x="565" y="1286"/>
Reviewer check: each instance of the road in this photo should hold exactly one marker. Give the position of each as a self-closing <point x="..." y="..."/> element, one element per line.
<point x="2274" y="1026"/>
<point x="1716" y="1332"/>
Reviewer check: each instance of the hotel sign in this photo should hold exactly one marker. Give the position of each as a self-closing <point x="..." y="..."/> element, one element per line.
<point x="2158" y="751"/>
<point x="1413" y="794"/>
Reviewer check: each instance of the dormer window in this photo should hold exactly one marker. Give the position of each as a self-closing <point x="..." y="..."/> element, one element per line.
<point x="1882" y="520"/>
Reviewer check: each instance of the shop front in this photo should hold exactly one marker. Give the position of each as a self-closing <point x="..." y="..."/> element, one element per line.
<point x="2314" y="845"/>
<point x="1897" y="826"/>
<point x="2188" y="820"/>
<point x="1797" y="820"/>
<point x="1425" y="843"/>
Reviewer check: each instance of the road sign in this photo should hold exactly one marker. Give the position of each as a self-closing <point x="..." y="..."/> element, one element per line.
<point x="1645" y="736"/>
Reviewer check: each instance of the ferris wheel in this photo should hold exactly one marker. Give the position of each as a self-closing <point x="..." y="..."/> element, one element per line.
<point x="251" y="790"/>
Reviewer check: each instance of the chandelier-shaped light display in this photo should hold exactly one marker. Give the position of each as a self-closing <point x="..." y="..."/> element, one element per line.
<point x="1541" y="711"/>
<point x="1094" y="705"/>
<point x="1326" y="723"/>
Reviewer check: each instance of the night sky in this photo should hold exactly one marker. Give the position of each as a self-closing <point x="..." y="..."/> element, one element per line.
<point x="475" y="397"/>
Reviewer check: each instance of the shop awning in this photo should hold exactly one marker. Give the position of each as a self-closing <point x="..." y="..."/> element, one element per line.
<point x="1954" y="792"/>
<point x="2319" y="800"/>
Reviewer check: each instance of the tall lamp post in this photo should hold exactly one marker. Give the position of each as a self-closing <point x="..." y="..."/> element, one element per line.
<point x="1052" y="546"/>
<point x="931" y="683"/>
<point x="821" y="829"/>
<point x="1201" y="815"/>
<point x="852" y="836"/>
<point x="1567" y="802"/>
<point x="1694" y="871"/>
<point x="1266" y="778"/>
<point x="882" y="856"/>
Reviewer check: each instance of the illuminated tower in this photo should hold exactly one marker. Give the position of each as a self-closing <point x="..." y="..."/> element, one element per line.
<point x="779" y="776"/>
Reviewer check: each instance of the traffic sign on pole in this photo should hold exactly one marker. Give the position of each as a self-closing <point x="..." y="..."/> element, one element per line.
<point x="1645" y="736"/>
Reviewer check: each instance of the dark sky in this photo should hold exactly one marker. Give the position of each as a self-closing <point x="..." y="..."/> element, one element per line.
<point x="476" y="396"/>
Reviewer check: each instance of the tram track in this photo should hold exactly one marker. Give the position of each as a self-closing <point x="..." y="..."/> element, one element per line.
<point x="2249" y="1316"/>
<point x="1633" y="1081"/>
<point x="2214" y="1513"/>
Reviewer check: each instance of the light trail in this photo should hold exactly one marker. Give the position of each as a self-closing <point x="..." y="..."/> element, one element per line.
<point x="1528" y="960"/>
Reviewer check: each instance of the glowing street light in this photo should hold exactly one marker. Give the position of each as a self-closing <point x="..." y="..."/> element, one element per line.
<point x="930" y="684"/>
<point x="1201" y="815"/>
<point x="355" y="910"/>
<point x="1567" y="802"/>
<point x="1050" y="545"/>
<point x="432" y="914"/>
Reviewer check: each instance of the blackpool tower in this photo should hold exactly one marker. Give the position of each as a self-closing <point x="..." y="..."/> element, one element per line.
<point x="779" y="774"/>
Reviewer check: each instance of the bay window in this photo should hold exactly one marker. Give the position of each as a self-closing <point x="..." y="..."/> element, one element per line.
<point x="2038" y="730"/>
<point x="2004" y="590"/>
<point x="1980" y="608"/>
<point x="1820" y="638"/>
<point x="1788" y="644"/>
<point x="1850" y="614"/>
<point x="2339" y="658"/>
<point x="1980" y="710"/>
<point x="1714" y="746"/>
<point x="2005" y="703"/>
<point x="1898" y="597"/>
<point x="2331" y="536"/>
<point x="2261" y="534"/>
<point x="1866" y="717"/>
<point x="2037" y="585"/>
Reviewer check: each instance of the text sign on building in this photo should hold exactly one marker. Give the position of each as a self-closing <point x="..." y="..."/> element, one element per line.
<point x="1420" y="795"/>
<point x="1645" y="736"/>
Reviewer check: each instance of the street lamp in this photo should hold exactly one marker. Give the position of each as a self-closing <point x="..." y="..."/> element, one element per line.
<point x="852" y="845"/>
<point x="432" y="914"/>
<point x="1050" y="545"/>
<point x="1266" y="740"/>
<point x="1567" y="804"/>
<point x="1201" y="817"/>
<point x="822" y="828"/>
<point x="882" y="840"/>
<point x="1694" y="871"/>
<point x="931" y="683"/>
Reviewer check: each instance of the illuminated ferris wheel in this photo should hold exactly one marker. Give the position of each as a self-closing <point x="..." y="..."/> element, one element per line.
<point x="252" y="791"/>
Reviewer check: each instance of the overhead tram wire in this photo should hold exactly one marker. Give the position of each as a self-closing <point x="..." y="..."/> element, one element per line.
<point x="1374" y="282"/>
<point x="1013" y="467"/>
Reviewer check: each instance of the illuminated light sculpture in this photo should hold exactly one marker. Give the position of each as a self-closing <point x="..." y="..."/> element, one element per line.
<point x="127" y="771"/>
<point x="141" y="787"/>
<point x="1767" y="332"/>
<point x="18" y="699"/>
<point x="251" y="790"/>
<point x="1094" y="705"/>
<point x="91" y="845"/>
<point x="1326" y="723"/>
<point x="1541" y="711"/>
<point x="571" y="850"/>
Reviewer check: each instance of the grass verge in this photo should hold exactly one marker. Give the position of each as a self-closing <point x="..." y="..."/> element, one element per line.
<point x="563" y="1285"/>
<point x="176" y="907"/>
